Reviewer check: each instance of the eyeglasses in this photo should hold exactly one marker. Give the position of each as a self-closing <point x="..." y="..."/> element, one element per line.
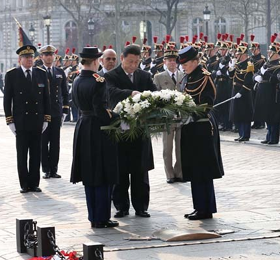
<point x="108" y="58"/>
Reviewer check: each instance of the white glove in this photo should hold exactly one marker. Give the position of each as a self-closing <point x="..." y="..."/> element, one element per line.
<point x="13" y="128"/>
<point x="142" y="66"/>
<point x="263" y="70"/>
<point x="231" y="64"/>
<point x="258" y="78"/>
<point x="218" y="73"/>
<point x="45" y="125"/>
<point x="238" y="95"/>
<point x="221" y="65"/>
<point x="124" y="126"/>
<point x="189" y="120"/>
<point x="63" y="119"/>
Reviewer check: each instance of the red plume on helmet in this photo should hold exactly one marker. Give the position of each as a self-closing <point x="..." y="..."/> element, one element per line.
<point x="134" y="39"/>
<point x="145" y="40"/>
<point x="104" y="48"/>
<point x="273" y="38"/>
<point x="155" y="39"/>
<point x="67" y="51"/>
<point x="73" y="50"/>
<point x="201" y="35"/>
<point x="127" y="43"/>
<point x="182" y="39"/>
<point x="167" y="38"/>
<point x="194" y="39"/>
<point x="163" y="42"/>
<point x="275" y="34"/>
<point x="88" y="45"/>
<point x="238" y="40"/>
<point x="242" y="36"/>
<point x="231" y="37"/>
<point x="56" y="51"/>
<point x="252" y="37"/>
<point x="110" y="47"/>
<point x="219" y="36"/>
<point x="226" y="36"/>
<point x="187" y="38"/>
<point x="206" y="38"/>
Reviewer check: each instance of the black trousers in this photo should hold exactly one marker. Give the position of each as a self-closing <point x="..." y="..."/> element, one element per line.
<point x="203" y="196"/>
<point x="140" y="191"/>
<point x="98" y="203"/>
<point x="51" y="145"/>
<point x="28" y="142"/>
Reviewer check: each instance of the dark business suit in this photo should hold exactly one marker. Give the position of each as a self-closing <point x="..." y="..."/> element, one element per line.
<point x="27" y="104"/>
<point x="135" y="157"/>
<point x="59" y="106"/>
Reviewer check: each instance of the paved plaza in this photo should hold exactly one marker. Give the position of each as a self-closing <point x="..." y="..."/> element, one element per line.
<point x="248" y="200"/>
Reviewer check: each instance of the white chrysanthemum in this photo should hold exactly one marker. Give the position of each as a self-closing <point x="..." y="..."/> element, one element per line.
<point x="118" y="108"/>
<point x="179" y="100"/>
<point x="144" y="104"/>
<point x="129" y="109"/>
<point x="146" y="93"/>
<point x="136" y="98"/>
<point x="136" y="108"/>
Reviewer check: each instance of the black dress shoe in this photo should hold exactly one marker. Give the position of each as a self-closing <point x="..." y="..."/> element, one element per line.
<point x="35" y="189"/>
<point x="272" y="142"/>
<point x="24" y="190"/>
<point x="264" y="142"/>
<point x="121" y="213"/>
<point x="243" y="139"/>
<point x="47" y="175"/>
<point x="143" y="214"/>
<point x="105" y="224"/>
<point x="237" y="139"/>
<point x="199" y="215"/>
<point x="172" y="180"/>
<point x="55" y="175"/>
<point x="189" y="214"/>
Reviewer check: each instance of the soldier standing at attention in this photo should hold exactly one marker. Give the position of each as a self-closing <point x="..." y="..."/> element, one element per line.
<point x="27" y="111"/>
<point x="59" y="111"/>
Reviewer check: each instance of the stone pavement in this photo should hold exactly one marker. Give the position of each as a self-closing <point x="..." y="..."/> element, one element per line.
<point x="248" y="199"/>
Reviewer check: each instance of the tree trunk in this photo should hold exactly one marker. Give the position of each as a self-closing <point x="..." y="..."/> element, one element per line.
<point x="268" y="21"/>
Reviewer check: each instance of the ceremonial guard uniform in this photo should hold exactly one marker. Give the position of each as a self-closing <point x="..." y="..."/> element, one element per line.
<point x="136" y="156"/>
<point x="157" y="64"/>
<point x="267" y="104"/>
<point x="95" y="161"/>
<point x="59" y="110"/>
<point x="170" y="79"/>
<point x="224" y="88"/>
<point x="200" y="141"/>
<point x="27" y="111"/>
<point x="242" y="105"/>
<point x="258" y="60"/>
<point x="212" y="63"/>
<point x="146" y="51"/>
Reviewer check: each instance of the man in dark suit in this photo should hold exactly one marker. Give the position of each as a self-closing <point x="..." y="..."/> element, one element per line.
<point x="108" y="61"/>
<point x="27" y="111"/>
<point x="59" y="111"/>
<point x="135" y="157"/>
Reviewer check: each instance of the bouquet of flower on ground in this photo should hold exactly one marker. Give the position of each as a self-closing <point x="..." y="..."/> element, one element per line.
<point x="149" y="113"/>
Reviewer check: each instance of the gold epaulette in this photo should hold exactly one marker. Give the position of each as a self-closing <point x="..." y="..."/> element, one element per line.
<point x="109" y="112"/>
<point x="11" y="69"/>
<point x="41" y="69"/>
<point x="250" y="67"/>
<point x="9" y="119"/>
<point x="205" y="72"/>
<point x="98" y="78"/>
<point x="65" y="106"/>
<point x="47" y="118"/>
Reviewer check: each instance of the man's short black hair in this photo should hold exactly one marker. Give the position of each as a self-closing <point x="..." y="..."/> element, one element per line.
<point x="131" y="49"/>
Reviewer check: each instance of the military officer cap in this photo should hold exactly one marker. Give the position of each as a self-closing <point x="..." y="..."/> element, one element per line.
<point x="47" y="49"/>
<point x="274" y="45"/>
<point x="26" y="50"/>
<point x="254" y="45"/>
<point x="145" y="47"/>
<point x="170" y="51"/>
<point x="242" y="48"/>
<point x="91" y="53"/>
<point x="187" y="54"/>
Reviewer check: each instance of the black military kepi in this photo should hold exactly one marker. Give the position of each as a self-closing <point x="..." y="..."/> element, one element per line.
<point x="26" y="50"/>
<point x="91" y="53"/>
<point x="187" y="54"/>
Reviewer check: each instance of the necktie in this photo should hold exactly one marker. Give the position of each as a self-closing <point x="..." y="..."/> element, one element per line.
<point x="130" y="75"/>
<point x="173" y="78"/>
<point x="49" y="74"/>
<point x="28" y="75"/>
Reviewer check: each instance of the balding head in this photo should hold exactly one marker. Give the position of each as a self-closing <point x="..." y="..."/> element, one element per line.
<point x="109" y="59"/>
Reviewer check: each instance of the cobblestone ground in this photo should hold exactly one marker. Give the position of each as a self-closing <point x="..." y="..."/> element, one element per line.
<point x="247" y="197"/>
